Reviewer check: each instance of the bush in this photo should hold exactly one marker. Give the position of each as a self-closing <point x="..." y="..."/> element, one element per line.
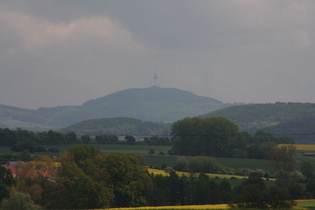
<point x="151" y="152"/>
<point x="161" y="153"/>
<point x="18" y="200"/>
<point x="169" y="169"/>
<point x="199" y="164"/>
<point x="23" y="145"/>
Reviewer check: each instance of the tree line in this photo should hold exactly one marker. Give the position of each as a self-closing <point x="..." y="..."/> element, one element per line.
<point x="219" y="137"/>
<point x="23" y="140"/>
<point x="213" y="136"/>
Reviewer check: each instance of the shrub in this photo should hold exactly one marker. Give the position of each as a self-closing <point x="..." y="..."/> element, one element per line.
<point x="199" y="164"/>
<point x="151" y="152"/>
<point x="161" y="153"/>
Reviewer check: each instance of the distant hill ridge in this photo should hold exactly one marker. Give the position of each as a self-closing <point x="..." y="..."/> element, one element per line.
<point x="152" y="94"/>
<point x="296" y="120"/>
<point x="119" y="126"/>
<point x="149" y="104"/>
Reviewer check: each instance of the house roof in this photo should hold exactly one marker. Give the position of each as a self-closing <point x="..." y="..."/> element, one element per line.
<point x="12" y="168"/>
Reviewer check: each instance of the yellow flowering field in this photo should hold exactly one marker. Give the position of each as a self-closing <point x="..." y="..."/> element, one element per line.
<point x="189" y="207"/>
<point x="55" y="164"/>
<point x="179" y="173"/>
<point x="302" y="147"/>
<point x="301" y="204"/>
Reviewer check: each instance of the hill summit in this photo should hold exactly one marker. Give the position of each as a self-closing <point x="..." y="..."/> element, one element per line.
<point x="149" y="104"/>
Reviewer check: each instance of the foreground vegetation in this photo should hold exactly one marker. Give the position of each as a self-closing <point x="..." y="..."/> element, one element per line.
<point x="85" y="177"/>
<point x="92" y="179"/>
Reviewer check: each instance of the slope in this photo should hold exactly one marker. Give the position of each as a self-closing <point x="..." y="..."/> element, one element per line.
<point x="296" y="120"/>
<point x="148" y="104"/>
<point x="119" y="126"/>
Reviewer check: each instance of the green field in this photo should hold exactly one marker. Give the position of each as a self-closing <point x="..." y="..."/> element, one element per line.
<point x="156" y="161"/>
<point x="124" y="148"/>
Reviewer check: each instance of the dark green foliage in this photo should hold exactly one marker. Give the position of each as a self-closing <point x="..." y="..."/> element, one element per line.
<point x="106" y="139"/>
<point x="77" y="190"/>
<point x="214" y="136"/>
<point x="119" y="126"/>
<point x="308" y="170"/>
<point x="131" y="180"/>
<point x="26" y="144"/>
<point x="130" y="139"/>
<point x="6" y="180"/>
<point x="284" y="161"/>
<point x="19" y="201"/>
<point x="23" y="139"/>
<point x="264" y="137"/>
<point x="252" y="193"/>
<point x="25" y="155"/>
<point x="89" y="179"/>
<point x="86" y="139"/>
<point x="198" y="165"/>
<point x="70" y="138"/>
<point x="51" y="137"/>
<point x="295" y="120"/>
<point x="40" y="149"/>
<point x="260" y="144"/>
<point x="175" y="190"/>
<point x="156" y="140"/>
<point x="151" y="152"/>
<point x="205" y="191"/>
<point x="80" y="153"/>
<point x="53" y="150"/>
<point x="90" y="165"/>
<point x="278" y="198"/>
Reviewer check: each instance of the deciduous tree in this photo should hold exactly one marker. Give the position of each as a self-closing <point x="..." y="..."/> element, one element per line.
<point x="284" y="161"/>
<point x="214" y="136"/>
<point x="132" y="183"/>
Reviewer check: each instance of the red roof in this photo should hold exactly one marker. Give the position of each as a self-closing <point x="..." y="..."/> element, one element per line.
<point x="12" y="168"/>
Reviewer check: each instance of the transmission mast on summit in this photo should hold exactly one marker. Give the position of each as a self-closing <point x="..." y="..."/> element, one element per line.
<point x="155" y="78"/>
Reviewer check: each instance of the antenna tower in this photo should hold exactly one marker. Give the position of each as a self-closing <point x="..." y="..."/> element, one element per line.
<point x="155" y="78"/>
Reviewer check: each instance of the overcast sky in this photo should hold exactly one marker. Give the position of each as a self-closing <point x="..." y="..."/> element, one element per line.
<point x="67" y="52"/>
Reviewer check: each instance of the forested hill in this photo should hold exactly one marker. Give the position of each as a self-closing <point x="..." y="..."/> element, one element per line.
<point x="296" y="120"/>
<point x="119" y="126"/>
<point x="149" y="104"/>
<point x="152" y="104"/>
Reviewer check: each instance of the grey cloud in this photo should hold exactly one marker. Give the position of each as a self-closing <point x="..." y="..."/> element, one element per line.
<point x="243" y="51"/>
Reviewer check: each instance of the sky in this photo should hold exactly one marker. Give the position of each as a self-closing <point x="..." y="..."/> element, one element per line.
<point x="55" y="53"/>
